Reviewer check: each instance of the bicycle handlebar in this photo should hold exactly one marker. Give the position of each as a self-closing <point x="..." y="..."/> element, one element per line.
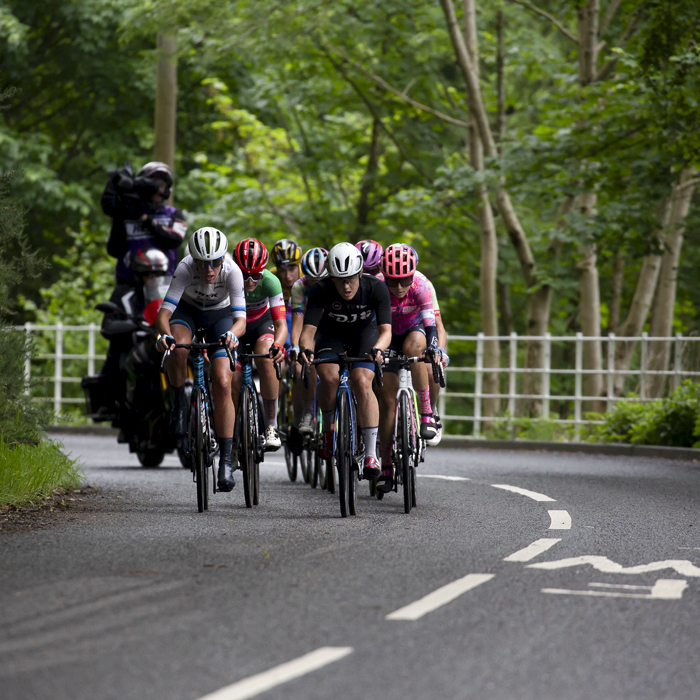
<point x="198" y="346"/>
<point x="342" y="359"/>
<point x="438" y="370"/>
<point x="261" y="356"/>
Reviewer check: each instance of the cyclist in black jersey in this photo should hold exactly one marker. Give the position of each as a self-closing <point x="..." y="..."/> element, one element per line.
<point x="348" y="312"/>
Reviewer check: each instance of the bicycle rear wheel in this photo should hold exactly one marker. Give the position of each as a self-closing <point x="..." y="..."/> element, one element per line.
<point x="404" y="438"/>
<point x="248" y="443"/>
<point x="200" y="464"/>
<point x="343" y="448"/>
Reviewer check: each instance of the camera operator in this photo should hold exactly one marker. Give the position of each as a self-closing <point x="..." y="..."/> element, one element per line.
<point x="140" y="217"/>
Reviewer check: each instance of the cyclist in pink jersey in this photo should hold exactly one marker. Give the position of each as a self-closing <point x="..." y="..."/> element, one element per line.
<point x="413" y="330"/>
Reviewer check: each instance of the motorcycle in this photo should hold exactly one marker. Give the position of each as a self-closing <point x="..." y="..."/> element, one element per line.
<point x="141" y="406"/>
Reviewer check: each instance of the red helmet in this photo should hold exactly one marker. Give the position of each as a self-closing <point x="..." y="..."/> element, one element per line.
<point x="251" y="255"/>
<point x="399" y="261"/>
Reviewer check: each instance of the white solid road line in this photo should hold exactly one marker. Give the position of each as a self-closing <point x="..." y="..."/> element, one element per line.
<point x="532" y="550"/>
<point x="663" y="589"/>
<point x="446" y="478"/>
<point x="523" y="492"/>
<point x="262" y="682"/>
<point x="440" y="597"/>
<point x="561" y="520"/>
<point x="680" y="566"/>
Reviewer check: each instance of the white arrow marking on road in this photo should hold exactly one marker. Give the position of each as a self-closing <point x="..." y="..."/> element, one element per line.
<point x="663" y="589"/>
<point x="267" y="680"/>
<point x="561" y="520"/>
<point x="681" y="566"/>
<point x="440" y="597"/>
<point x="533" y="550"/>
<point x="523" y="492"/>
<point x="446" y="478"/>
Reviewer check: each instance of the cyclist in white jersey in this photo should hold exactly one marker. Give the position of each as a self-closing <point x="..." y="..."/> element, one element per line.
<point x="206" y="292"/>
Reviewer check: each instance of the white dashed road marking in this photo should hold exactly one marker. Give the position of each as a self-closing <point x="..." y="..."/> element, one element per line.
<point x="561" y="520"/>
<point x="262" y="682"/>
<point x="445" y="478"/>
<point x="533" y="550"/>
<point x="663" y="589"/>
<point x="523" y="492"/>
<point x="440" y="597"/>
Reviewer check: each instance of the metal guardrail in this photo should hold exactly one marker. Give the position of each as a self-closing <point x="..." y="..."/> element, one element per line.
<point x="475" y="374"/>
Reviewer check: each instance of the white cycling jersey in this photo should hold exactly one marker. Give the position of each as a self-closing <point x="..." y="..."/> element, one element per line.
<point x="188" y="284"/>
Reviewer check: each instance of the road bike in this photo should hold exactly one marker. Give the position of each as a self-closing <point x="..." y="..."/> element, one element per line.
<point x="408" y="449"/>
<point x="249" y="431"/>
<point x="294" y="454"/>
<point x="201" y="443"/>
<point x="348" y="449"/>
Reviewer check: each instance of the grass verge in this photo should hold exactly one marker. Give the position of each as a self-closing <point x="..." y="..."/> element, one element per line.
<point x="30" y="473"/>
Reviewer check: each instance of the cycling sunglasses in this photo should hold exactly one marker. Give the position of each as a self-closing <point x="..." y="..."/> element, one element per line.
<point x="255" y="276"/>
<point x="400" y="281"/>
<point x="213" y="264"/>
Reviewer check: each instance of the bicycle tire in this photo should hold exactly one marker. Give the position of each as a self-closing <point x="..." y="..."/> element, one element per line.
<point x="404" y="437"/>
<point x="247" y="448"/>
<point x="200" y="470"/>
<point x="304" y="466"/>
<point x="342" y="453"/>
<point x="291" y="462"/>
<point x="259" y="432"/>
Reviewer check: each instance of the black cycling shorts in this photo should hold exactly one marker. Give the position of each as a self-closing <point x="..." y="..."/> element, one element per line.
<point x="355" y="346"/>
<point x="264" y="326"/>
<point x="215" y="323"/>
<point x="396" y="345"/>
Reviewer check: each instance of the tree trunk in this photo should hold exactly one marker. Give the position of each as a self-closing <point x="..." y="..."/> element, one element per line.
<point x="489" y="241"/>
<point x="363" y="206"/>
<point x="166" y="102"/>
<point x="616" y="291"/>
<point x="665" y="301"/>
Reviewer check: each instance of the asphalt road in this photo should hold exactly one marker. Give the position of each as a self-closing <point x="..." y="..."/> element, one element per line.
<point x="482" y="592"/>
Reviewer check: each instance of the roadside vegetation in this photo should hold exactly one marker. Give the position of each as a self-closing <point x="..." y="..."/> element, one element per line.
<point x="31" y="467"/>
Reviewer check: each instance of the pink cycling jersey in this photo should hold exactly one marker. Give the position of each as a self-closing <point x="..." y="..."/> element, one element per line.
<point x="414" y="308"/>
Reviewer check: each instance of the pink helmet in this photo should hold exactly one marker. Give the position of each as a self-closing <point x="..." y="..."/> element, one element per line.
<point x="371" y="253"/>
<point x="399" y="261"/>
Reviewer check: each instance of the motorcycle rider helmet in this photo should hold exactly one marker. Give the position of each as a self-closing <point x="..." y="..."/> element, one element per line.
<point x="251" y="256"/>
<point x="371" y="253"/>
<point x="399" y="261"/>
<point x="344" y="260"/>
<point x="313" y="263"/>
<point x="162" y="171"/>
<point x="207" y="243"/>
<point x="286" y="252"/>
<point x="150" y="261"/>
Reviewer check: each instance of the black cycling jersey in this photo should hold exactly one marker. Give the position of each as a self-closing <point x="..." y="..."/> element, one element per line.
<point x="336" y="317"/>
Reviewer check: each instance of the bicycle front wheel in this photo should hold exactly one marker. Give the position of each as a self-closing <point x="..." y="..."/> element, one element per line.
<point x="200" y="457"/>
<point x="404" y="441"/>
<point x="248" y="442"/>
<point x="343" y="452"/>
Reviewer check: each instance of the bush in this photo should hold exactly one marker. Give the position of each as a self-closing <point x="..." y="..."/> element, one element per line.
<point x="671" y="422"/>
<point x="32" y="472"/>
<point x="529" y="429"/>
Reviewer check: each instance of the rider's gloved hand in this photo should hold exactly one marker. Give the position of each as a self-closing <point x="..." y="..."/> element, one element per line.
<point x="229" y="340"/>
<point x="164" y="342"/>
<point x="444" y="357"/>
<point x="293" y="353"/>
<point x="377" y="355"/>
<point x="277" y="352"/>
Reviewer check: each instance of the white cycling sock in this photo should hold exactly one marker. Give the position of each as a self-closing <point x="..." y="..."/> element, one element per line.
<point x="369" y="435"/>
<point x="270" y="412"/>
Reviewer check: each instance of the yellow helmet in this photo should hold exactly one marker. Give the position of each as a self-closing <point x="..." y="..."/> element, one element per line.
<point x="286" y="252"/>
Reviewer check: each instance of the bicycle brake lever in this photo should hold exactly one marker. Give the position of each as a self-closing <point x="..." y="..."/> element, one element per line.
<point x="231" y="359"/>
<point x="278" y="370"/>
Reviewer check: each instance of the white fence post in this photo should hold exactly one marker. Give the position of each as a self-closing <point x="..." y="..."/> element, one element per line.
<point x="643" y="367"/>
<point x="91" y="349"/>
<point x="512" y="374"/>
<point x="611" y="372"/>
<point x="547" y="360"/>
<point x="58" y="373"/>
<point x="577" y="385"/>
<point x="441" y="394"/>
<point x="28" y="361"/>
<point x="478" y="383"/>
<point x="677" y="349"/>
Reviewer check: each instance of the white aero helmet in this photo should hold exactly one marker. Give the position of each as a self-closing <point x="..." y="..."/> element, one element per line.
<point x="344" y="260"/>
<point x="207" y="243"/>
